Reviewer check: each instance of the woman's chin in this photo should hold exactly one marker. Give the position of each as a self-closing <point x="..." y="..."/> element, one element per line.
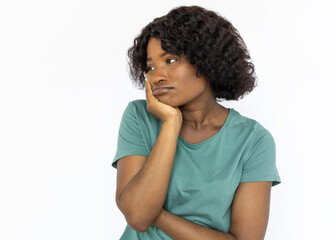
<point x="167" y="101"/>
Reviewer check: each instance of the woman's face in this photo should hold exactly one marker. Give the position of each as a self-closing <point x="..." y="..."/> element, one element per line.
<point x="174" y="71"/>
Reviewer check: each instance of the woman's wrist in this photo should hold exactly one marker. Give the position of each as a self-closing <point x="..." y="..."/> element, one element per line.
<point x="158" y="219"/>
<point x="173" y="125"/>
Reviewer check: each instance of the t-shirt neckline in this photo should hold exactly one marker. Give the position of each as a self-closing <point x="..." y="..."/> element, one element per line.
<point x="225" y="125"/>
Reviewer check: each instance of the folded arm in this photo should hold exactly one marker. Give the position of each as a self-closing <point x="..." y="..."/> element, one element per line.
<point x="249" y="217"/>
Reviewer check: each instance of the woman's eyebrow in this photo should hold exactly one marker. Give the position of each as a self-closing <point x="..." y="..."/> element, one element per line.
<point x="161" y="55"/>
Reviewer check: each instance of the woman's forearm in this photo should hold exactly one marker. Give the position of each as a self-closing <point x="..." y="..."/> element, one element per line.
<point x="179" y="228"/>
<point x="144" y="196"/>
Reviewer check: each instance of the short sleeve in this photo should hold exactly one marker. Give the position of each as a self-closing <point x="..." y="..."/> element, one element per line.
<point x="261" y="163"/>
<point x="130" y="140"/>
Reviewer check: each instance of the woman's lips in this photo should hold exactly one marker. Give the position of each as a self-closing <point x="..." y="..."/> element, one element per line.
<point x="162" y="90"/>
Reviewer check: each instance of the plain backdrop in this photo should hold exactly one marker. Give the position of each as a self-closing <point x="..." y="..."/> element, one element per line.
<point x="65" y="84"/>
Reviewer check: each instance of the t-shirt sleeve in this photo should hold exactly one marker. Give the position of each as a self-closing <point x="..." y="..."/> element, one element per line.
<point x="130" y="140"/>
<point x="261" y="163"/>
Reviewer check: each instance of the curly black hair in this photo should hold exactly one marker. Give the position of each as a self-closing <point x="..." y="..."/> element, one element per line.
<point x="208" y="41"/>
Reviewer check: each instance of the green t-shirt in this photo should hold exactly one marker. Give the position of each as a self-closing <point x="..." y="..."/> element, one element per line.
<point x="205" y="175"/>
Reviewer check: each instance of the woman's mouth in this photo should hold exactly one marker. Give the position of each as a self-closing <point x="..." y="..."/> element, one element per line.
<point x="162" y="90"/>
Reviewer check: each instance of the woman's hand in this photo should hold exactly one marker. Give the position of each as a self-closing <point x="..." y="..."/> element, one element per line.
<point x="161" y="111"/>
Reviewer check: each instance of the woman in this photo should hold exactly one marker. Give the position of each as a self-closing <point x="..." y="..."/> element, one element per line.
<point x="187" y="167"/>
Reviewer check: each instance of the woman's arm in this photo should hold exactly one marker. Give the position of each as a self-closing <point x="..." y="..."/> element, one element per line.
<point x="249" y="217"/>
<point x="180" y="228"/>
<point x="143" y="197"/>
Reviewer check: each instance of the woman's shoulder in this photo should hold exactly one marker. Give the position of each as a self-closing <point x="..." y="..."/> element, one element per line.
<point x="248" y="123"/>
<point x="139" y="108"/>
<point x="139" y="105"/>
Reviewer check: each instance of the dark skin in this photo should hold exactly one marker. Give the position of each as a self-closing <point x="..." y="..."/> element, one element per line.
<point x="201" y="115"/>
<point x="191" y="107"/>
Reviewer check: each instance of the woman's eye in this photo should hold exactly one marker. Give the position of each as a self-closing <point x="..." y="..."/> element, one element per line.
<point x="168" y="60"/>
<point x="148" y="69"/>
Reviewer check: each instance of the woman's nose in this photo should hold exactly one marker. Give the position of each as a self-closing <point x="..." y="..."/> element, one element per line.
<point x="159" y="75"/>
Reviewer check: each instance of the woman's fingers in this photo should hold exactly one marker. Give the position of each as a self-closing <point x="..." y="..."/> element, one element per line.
<point x="148" y="89"/>
<point x="149" y="93"/>
<point x="160" y="110"/>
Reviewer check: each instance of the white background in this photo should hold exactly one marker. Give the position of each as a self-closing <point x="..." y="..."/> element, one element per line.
<point x="64" y="86"/>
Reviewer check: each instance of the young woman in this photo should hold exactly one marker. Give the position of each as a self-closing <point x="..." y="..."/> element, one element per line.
<point x="188" y="167"/>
